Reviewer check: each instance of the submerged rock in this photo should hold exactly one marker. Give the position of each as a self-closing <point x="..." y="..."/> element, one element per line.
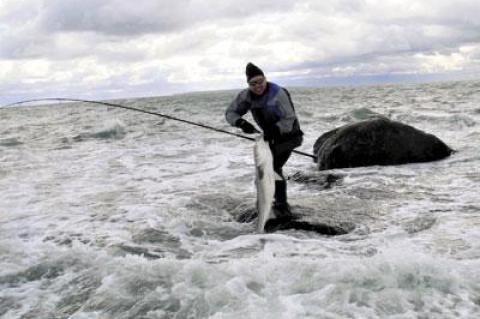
<point x="378" y="141"/>
<point x="317" y="181"/>
<point x="303" y="219"/>
<point x="285" y="223"/>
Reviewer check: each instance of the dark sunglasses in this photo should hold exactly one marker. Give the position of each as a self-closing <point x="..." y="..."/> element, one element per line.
<point x="256" y="82"/>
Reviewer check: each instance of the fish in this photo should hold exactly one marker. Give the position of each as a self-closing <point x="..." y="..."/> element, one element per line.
<point x="264" y="181"/>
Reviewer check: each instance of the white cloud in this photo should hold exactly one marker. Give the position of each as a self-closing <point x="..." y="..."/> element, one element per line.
<point x="157" y="47"/>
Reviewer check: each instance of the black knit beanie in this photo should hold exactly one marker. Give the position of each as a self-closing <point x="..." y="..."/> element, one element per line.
<point x="252" y="71"/>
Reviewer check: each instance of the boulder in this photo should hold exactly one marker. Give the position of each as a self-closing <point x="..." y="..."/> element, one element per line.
<point x="377" y="141"/>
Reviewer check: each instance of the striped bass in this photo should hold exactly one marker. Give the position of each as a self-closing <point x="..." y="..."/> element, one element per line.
<point x="264" y="181"/>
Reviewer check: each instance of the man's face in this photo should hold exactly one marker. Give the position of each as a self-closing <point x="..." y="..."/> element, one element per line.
<point x="257" y="84"/>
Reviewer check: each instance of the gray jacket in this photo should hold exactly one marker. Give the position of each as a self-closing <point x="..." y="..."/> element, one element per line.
<point x="273" y="112"/>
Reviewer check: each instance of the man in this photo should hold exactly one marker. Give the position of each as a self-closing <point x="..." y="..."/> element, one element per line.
<point x="272" y="109"/>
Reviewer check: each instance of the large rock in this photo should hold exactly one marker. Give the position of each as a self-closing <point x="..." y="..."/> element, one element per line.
<point x="377" y="142"/>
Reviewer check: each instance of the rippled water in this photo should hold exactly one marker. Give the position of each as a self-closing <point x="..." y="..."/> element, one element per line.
<point x="108" y="213"/>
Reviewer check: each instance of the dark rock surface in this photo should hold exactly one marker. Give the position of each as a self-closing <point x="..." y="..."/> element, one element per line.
<point x="303" y="219"/>
<point x="316" y="180"/>
<point x="285" y="223"/>
<point x="377" y="141"/>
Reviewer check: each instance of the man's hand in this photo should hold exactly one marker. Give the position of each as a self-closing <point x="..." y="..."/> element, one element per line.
<point x="245" y="126"/>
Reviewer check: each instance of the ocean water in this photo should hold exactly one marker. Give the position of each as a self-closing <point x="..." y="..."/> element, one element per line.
<point x="109" y="213"/>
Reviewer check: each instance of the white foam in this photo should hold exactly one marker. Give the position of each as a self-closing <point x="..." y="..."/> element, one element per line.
<point x="97" y="214"/>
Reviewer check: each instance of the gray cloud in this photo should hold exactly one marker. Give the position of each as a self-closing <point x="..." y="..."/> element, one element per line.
<point x="23" y="46"/>
<point x="28" y="28"/>
<point x="172" y="45"/>
<point x="385" y="27"/>
<point x="122" y="18"/>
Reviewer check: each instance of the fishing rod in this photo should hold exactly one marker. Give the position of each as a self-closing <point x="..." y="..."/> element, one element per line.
<point x="147" y="112"/>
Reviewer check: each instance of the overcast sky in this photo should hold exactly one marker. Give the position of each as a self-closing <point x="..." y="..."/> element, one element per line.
<point x="117" y="48"/>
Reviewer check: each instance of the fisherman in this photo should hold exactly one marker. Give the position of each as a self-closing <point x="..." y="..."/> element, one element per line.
<point x="272" y="109"/>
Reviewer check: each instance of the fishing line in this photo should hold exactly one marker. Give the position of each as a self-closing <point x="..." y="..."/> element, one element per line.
<point x="147" y="112"/>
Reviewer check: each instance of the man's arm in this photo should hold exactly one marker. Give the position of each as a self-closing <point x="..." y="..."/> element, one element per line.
<point x="288" y="117"/>
<point x="238" y="108"/>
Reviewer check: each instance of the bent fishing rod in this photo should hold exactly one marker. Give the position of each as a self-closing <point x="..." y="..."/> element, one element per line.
<point x="169" y="117"/>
